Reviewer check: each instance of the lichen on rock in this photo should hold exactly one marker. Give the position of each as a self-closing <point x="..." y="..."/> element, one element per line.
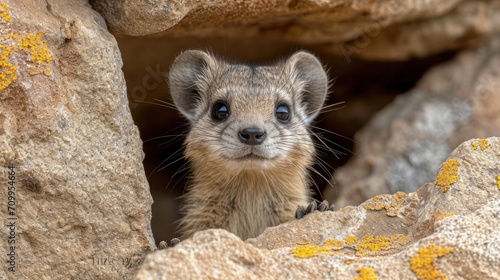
<point x="391" y="203"/>
<point x="7" y="70"/>
<point x="371" y="245"/>
<point x="448" y="175"/>
<point x="350" y="240"/>
<point x="39" y="53"/>
<point x="304" y="250"/>
<point x="83" y="204"/>
<point x="335" y="244"/>
<point x="457" y="247"/>
<point x="368" y="245"/>
<point x="307" y="251"/>
<point x="366" y="273"/>
<point x="424" y="262"/>
<point x="481" y="144"/>
<point x="32" y="45"/>
<point x="4" y="15"/>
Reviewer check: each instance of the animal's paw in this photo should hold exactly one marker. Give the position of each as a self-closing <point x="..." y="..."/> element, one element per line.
<point x="165" y="245"/>
<point x="313" y="206"/>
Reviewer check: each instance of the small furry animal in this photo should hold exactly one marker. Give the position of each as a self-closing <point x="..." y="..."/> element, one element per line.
<point x="248" y="145"/>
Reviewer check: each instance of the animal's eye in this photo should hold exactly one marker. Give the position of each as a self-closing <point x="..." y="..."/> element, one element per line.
<point x="220" y="111"/>
<point x="283" y="113"/>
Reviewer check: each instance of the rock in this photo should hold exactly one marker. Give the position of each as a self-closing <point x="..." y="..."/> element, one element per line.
<point x="376" y="30"/>
<point x="468" y="23"/>
<point x="81" y="207"/>
<point x="453" y="233"/>
<point x="401" y="147"/>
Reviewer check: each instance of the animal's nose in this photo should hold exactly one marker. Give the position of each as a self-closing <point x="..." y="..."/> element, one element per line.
<point x="252" y="136"/>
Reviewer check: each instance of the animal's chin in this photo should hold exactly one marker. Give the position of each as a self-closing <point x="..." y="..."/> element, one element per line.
<point x="252" y="161"/>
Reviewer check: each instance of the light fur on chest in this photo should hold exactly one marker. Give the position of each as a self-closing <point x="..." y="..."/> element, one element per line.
<point x="246" y="204"/>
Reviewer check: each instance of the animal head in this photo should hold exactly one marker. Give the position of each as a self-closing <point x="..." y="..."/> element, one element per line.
<point x="247" y="116"/>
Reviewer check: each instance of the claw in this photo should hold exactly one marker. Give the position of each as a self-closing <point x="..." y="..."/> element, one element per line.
<point x="174" y="242"/>
<point x="323" y="206"/>
<point x="300" y="212"/>
<point x="163" y="245"/>
<point x="312" y="206"/>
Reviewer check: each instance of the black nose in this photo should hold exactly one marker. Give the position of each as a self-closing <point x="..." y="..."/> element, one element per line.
<point x="252" y="136"/>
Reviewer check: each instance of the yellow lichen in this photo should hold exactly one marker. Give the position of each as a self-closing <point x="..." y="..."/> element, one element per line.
<point x="370" y="244"/>
<point x="334" y="244"/>
<point x="3" y="12"/>
<point x="308" y="251"/>
<point x="8" y="72"/>
<point x="350" y="240"/>
<point x="498" y="182"/>
<point x="366" y="273"/>
<point x="423" y="263"/>
<point x="328" y="248"/>
<point x="440" y="215"/>
<point x="391" y="203"/>
<point x="39" y="52"/>
<point x="481" y="143"/>
<point x="31" y="44"/>
<point x="447" y="175"/>
<point x="376" y="203"/>
<point x="302" y="242"/>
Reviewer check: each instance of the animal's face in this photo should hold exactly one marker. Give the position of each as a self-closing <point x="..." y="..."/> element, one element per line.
<point x="245" y="117"/>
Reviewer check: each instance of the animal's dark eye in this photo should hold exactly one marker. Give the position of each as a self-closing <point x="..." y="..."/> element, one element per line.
<point x="283" y="113"/>
<point x="220" y="111"/>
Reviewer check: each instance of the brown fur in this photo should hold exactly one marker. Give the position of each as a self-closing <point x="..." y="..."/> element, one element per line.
<point x="236" y="186"/>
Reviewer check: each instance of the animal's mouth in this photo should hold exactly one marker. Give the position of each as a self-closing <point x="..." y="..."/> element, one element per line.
<point x="252" y="161"/>
<point x="252" y="156"/>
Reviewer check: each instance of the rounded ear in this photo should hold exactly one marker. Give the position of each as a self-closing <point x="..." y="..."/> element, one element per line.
<point x="188" y="80"/>
<point x="308" y="73"/>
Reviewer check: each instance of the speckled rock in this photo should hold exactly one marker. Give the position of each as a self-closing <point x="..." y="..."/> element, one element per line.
<point x="396" y="29"/>
<point x="82" y="205"/>
<point x="401" y="147"/>
<point x="428" y="234"/>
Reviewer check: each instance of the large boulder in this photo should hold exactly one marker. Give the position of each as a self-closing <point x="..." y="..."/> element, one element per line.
<point x="372" y="29"/>
<point x="401" y="147"/>
<point x="448" y="228"/>
<point x="80" y="206"/>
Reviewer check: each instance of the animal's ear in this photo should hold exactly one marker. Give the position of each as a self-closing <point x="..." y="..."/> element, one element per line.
<point x="308" y="73"/>
<point x="189" y="77"/>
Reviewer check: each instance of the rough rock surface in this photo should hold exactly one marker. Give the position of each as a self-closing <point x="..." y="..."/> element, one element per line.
<point x="447" y="228"/>
<point x="401" y="147"/>
<point x="82" y="204"/>
<point x="395" y="29"/>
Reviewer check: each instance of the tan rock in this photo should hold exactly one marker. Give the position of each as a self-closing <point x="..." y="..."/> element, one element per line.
<point x="454" y="234"/>
<point x="401" y="147"/>
<point x="470" y="22"/>
<point x="378" y="30"/>
<point x="82" y="205"/>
